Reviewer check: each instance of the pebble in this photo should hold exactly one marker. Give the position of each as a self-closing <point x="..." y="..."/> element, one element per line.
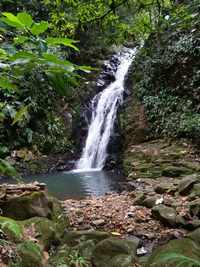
<point x="98" y="222"/>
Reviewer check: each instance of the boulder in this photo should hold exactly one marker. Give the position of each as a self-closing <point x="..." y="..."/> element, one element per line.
<point x="114" y="252"/>
<point x="187" y="183"/>
<point x="195" y="208"/>
<point x="150" y="202"/>
<point x="75" y="238"/>
<point x="27" y="206"/>
<point x="173" y="171"/>
<point x="44" y="230"/>
<point x="183" y="247"/>
<point x="195" y="192"/>
<point x="195" y="236"/>
<point x="165" y="188"/>
<point x="164" y="214"/>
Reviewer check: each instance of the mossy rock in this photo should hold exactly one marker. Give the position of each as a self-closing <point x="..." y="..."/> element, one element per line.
<point x="166" y="215"/>
<point x="45" y="231"/>
<point x="58" y="216"/>
<point x="113" y="252"/>
<point x="173" y="171"/>
<point x="30" y="254"/>
<point x="12" y="229"/>
<point x="183" y="247"/>
<point x="35" y="204"/>
<point x="75" y="238"/>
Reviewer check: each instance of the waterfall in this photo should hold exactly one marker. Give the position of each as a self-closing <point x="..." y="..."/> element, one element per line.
<point x="104" y="111"/>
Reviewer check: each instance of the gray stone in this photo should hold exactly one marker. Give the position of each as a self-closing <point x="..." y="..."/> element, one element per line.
<point x="164" y="214"/>
<point x="186" y="184"/>
<point x="114" y="252"/>
<point x="173" y="171"/>
<point x="99" y="222"/>
<point x="165" y="188"/>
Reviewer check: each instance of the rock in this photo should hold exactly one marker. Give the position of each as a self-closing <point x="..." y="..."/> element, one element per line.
<point x="12" y="229"/>
<point x="187" y="183"/>
<point x="165" y="188"/>
<point x="74" y="238"/>
<point x="195" y="207"/>
<point x="99" y="222"/>
<point x="165" y="214"/>
<point x="27" y="206"/>
<point x="195" y="236"/>
<point x="195" y="191"/>
<point x="114" y="252"/>
<point x="30" y="254"/>
<point x="179" y="247"/>
<point x="173" y="171"/>
<point x="139" y="199"/>
<point x="44" y="230"/>
<point x="150" y="202"/>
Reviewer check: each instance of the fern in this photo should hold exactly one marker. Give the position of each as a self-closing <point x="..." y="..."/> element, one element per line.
<point x="179" y="259"/>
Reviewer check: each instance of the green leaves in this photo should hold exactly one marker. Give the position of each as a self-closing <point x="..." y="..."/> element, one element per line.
<point x="24" y="20"/>
<point x="12" y="20"/>
<point x="7" y="169"/>
<point x="20" y="39"/>
<point x="5" y="83"/>
<point x="62" y="41"/>
<point x="39" y="28"/>
<point x="21" y="115"/>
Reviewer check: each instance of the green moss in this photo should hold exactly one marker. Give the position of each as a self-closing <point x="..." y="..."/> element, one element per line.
<point x="30" y="254"/>
<point x="174" y="246"/>
<point x="45" y="231"/>
<point x="11" y="228"/>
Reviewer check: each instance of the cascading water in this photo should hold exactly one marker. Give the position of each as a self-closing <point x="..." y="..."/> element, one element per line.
<point x="104" y="110"/>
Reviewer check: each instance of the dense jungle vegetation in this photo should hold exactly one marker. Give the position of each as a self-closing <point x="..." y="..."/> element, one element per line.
<point x="49" y="47"/>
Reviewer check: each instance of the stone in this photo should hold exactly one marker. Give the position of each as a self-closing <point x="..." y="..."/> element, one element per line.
<point x="172" y="171"/>
<point x="113" y="252"/>
<point x="195" y="191"/>
<point x="185" y="247"/>
<point x="187" y="183"/>
<point x="150" y="202"/>
<point x="195" y="236"/>
<point x="166" y="215"/>
<point x="99" y="222"/>
<point x="76" y="237"/>
<point x="139" y="199"/>
<point x="30" y="254"/>
<point x="27" y="206"/>
<point x="44" y="230"/>
<point x="165" y="188"/>
<point x="195" y="207"/>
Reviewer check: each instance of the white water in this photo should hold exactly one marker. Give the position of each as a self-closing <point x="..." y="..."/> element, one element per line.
<point x="104" y="110"/>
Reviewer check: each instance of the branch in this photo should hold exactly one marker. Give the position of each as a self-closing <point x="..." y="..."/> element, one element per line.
<point x="108" y="12"/>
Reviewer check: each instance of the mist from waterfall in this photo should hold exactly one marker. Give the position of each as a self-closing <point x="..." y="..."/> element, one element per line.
<point x="104" y="111"/>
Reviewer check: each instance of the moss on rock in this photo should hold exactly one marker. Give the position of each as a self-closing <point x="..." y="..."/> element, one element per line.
<point x="30" y="254"/>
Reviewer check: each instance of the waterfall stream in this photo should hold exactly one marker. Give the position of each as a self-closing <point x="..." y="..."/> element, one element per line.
<point x="104" y="111"/>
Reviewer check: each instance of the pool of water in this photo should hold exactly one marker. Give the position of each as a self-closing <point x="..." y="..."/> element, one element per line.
<point x="77" y="184"/>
